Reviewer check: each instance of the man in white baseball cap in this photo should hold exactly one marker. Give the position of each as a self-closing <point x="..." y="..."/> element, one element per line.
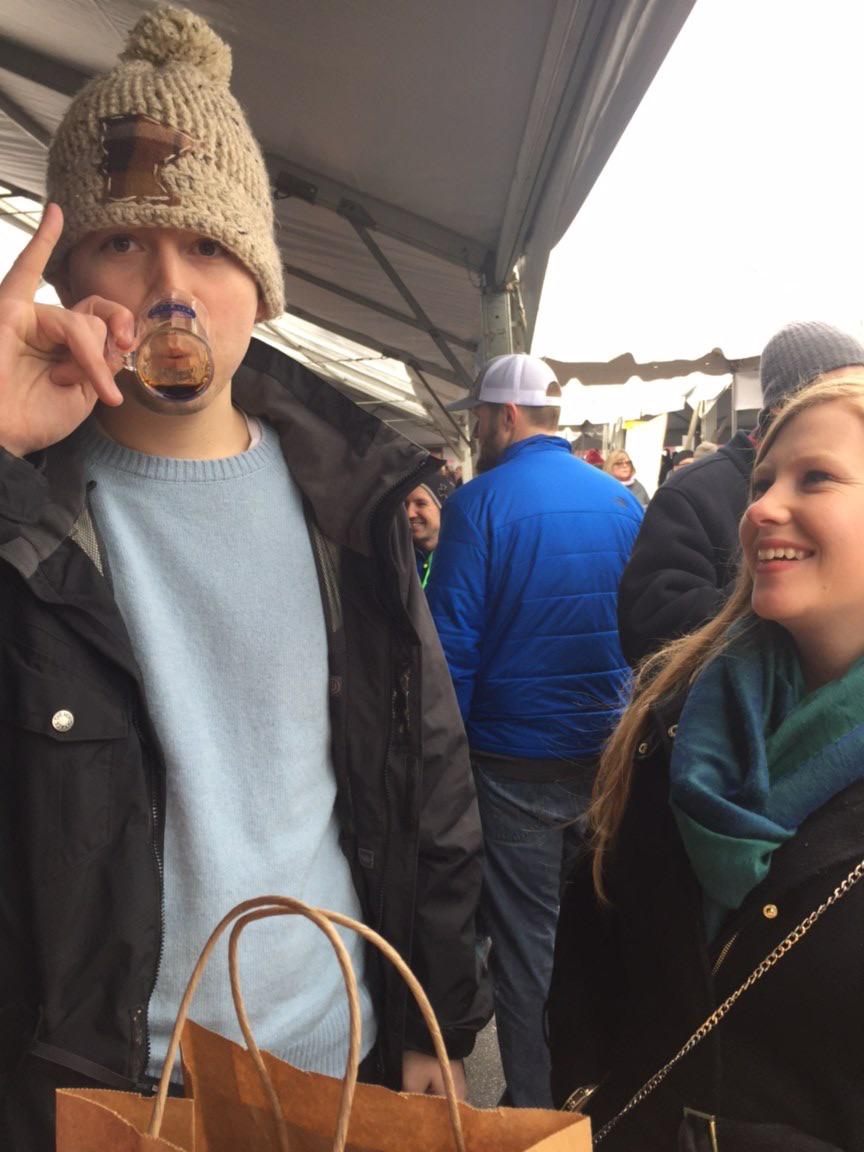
<point x="503" y="392"/>
<point x="523" y="593"/>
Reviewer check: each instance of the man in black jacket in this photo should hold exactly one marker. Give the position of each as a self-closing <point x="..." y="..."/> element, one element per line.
<point x="685" y="559"/>
<point x="217" y="668"/>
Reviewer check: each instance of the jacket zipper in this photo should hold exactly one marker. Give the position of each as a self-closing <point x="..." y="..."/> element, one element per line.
<point x="404" y="680"/>
<point x="160" y="870"/>
<point x="403" y="480"/>
<point x="379" y="919"/>
<point x="399" y="696"/>
<point x="724" y="952"/>
<point x="140" y="1014"/>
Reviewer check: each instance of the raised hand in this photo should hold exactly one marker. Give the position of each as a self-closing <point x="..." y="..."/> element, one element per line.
<point x="53" y="361"/>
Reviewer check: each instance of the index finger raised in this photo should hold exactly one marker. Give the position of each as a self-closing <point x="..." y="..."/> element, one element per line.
<point x="22" y="279"/>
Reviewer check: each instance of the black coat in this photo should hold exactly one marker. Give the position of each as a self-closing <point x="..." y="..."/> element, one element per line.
<point x="633" y="980"/>
<point x="82" y="812"/>
<point x="684" y="561"/>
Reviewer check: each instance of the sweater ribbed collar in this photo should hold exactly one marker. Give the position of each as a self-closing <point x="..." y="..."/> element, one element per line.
<point x="100" y="449"/>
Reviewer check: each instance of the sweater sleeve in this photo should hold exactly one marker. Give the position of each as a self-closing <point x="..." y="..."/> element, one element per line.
<point x="457" y="598"/>
<point x="669" y="586"/>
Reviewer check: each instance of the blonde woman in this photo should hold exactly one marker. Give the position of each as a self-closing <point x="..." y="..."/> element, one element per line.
<point x="729" y="806"/>
<point x="619" y="465"/>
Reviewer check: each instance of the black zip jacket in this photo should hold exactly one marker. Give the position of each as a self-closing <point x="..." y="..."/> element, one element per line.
<point x="82" y="809"/>
<point x="634" y="980"/>
<point x="685" y="559"/>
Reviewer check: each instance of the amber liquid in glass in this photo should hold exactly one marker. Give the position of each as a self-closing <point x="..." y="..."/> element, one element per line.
<point x="175" y="364"/>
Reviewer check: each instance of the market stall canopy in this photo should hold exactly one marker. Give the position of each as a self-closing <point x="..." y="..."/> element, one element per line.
<point x="609" y="403"/>
<point x="425" y="157"/>
<point x="624" y="368"/>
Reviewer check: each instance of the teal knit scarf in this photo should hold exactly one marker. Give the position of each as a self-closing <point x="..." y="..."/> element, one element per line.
<point x="754" y="756"/>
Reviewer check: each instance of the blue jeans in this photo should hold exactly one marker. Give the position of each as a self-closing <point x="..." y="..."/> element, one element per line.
<point x="528" y="835"/>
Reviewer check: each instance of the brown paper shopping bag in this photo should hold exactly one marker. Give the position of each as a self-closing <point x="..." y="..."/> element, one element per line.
<point x="248" y="1101"/>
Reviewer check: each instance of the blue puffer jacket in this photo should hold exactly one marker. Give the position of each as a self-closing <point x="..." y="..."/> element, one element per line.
<point x="524" y="593"/>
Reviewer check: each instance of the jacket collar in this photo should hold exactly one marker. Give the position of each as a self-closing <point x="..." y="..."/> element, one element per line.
<point x="828" y="837"/>
<point x="540" y="443"/>
<point x="352" y="469"/>
<point x="741" y="451"/>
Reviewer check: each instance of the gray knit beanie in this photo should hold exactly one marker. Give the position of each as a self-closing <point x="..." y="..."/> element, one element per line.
<point x="796" y="355"/>
<point x="161" y="142"/>
<point x="439" y="488"/>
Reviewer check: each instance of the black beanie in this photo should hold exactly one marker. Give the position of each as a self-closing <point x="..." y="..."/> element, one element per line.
<point x="439" y="488"/>
<point x="796" y="355"/>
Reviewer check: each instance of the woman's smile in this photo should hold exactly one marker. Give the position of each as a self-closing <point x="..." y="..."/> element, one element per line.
<point x="803" y="535"/>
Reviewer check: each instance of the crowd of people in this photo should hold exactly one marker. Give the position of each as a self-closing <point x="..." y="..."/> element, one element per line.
<point x="254" y="641"/>
<point x="700" y="833"/>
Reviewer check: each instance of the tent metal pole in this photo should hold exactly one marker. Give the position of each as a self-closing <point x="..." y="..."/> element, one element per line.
<point x="437" y="400"/>
<point x="733" y="420"/>
<point x="694" y="419"/>
<point x="367" y="341"/>
<point x="292" y="180"/>
<point x="373" y="305"/>
<point x="499" y="336"/>
<point x="405" y="292"/>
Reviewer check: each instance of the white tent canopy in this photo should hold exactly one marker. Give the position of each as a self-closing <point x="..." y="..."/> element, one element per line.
<point x="608" y="403"/>
<point x="425" y="157"/>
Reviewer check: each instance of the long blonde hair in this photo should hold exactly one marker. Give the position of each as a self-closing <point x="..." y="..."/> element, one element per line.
<point x="674" y="668"/>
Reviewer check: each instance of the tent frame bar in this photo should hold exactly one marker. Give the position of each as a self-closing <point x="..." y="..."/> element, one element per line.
<point x="373" y="305"/>
<point x="367" y="341"/>
<point x="560" y="83"/>
<point x="438" y="401"/>
<point x="361" y="227"/>
<point x="292" y="180"/>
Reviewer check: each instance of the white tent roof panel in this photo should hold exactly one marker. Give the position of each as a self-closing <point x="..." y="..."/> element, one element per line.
<point x="467" y="131"/>
<point x="445" y="87"/>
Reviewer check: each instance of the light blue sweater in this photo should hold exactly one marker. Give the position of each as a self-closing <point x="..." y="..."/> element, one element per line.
<point x="214" y="574"/>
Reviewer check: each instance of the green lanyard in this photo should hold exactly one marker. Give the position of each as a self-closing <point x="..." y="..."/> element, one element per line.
<point x="427" y="569"/>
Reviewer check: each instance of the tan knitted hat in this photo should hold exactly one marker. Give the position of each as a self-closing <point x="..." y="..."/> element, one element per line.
<point x="161" y="142"/>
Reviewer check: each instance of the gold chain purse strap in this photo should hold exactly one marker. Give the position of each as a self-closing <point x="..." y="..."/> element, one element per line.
<point x="714" y="1019"/>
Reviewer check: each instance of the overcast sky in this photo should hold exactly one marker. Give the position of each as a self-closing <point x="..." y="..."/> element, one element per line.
<point x="734" y="202"/>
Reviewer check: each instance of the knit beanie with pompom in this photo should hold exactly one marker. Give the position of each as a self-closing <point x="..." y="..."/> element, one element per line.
<point x="160" y="142"/>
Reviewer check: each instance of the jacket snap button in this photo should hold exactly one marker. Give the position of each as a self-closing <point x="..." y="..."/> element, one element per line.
<point x="335" y="685"/>
<point x="673" y="732"/>
<point x="770" y="912"/>
<point x="643" y="748"/>
<point x="62" y="721"/>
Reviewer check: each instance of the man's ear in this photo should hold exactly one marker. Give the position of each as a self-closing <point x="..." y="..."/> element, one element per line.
<point x="511" y="415"/>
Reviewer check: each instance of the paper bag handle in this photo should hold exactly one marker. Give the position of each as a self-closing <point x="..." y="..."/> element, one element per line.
<point x="259" y="908"/>
<point x="263" y="905"/>
<point x="292" y="907"/>
<point x="349" y="1081"/>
